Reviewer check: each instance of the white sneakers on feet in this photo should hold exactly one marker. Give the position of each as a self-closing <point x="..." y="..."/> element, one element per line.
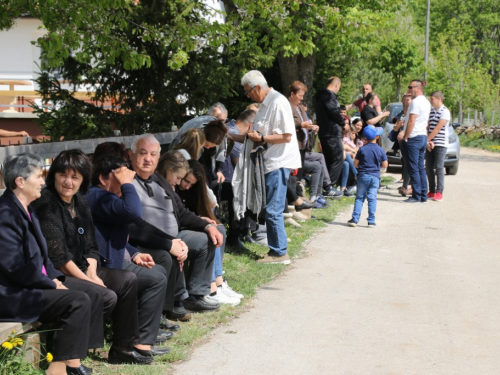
<point x="222" y="298"/>
<point x="228" y="291"/>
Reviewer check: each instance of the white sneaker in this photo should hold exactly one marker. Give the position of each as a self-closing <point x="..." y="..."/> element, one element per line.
<point x="222" y="298"/>
<point x="228" y="291"/>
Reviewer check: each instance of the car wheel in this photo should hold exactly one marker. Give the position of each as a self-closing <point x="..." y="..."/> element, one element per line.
<point x="452" y="170"/>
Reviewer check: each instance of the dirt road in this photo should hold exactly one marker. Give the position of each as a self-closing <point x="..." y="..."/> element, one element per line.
<point x="417" y="295"/>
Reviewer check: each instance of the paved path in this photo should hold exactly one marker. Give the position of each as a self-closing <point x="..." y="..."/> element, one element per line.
<point x="417" y="295"/>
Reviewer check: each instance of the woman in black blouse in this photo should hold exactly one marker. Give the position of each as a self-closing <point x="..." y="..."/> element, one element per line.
<point x="369" y="114"/>
<point x="67" y="225"/>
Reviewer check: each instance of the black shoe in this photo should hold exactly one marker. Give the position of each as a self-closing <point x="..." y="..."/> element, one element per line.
<point x="82" y="370"/>
<point x="304" y="206"/>
<point x="352" y="223"/>
<point x="121" y="356"/>
<point x="248" y="239"/>
<point x="235" y="243"/>
<point x="348" y="193"/>
<point x="154" y="351"/>
<point x="200" y="305"/>
<point x="166" y="325"/>
<point x="163" y="336"/>
<point x="178" y="314"/>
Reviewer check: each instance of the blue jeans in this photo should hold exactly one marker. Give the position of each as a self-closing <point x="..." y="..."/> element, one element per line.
<point x="217" y="265"/>
<point x="348" y="166"/>
<point x="277" y="239"/>
<point x="367" y="188"/>
<point x="415" y="152"/>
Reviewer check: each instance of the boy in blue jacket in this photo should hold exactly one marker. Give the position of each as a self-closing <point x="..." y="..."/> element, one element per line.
<point x="369" y="159"/>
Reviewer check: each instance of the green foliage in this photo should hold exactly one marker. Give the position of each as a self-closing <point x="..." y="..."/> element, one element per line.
<point x="12" y="358"/>
<point x="477" y="140"/>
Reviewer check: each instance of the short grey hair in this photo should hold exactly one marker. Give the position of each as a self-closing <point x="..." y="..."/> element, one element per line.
<point x="254" y="78"/>
<point x="219" y="105"/>
<point x="20" y="165"/>
<point x="145" y="137"/>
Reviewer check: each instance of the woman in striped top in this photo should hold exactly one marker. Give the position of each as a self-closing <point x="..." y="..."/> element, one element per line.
<point x="437" y="143"/>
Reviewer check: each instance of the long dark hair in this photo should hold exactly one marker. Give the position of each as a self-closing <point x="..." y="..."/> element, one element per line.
<point x="199" y="190"/>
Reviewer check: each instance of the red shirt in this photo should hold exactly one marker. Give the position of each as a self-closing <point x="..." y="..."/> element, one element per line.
<point x="360" y="103"/>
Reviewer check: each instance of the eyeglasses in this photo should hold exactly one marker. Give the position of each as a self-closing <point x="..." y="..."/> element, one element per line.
<point x="412" y="87"/>
<point x="247" y="93"/>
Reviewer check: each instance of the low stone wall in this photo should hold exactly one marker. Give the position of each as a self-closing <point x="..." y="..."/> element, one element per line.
<point x="492" y="132"/>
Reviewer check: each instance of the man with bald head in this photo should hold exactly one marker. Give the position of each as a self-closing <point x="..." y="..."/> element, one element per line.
<point x="330" y="123"/>
<point x="361" y="102"/>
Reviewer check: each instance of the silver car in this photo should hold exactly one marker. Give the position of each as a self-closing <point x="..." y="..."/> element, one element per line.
<point x="452" y="153"/>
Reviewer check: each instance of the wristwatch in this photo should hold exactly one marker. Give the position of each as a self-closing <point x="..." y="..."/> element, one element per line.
<point x="262" y="139"/>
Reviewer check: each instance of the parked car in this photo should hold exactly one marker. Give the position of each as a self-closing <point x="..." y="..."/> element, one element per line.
<point x="452" y="159"/>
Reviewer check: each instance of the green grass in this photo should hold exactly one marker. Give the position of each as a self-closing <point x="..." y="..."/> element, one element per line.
<point x="246" y="276"/>
<point x="477" y="141"/>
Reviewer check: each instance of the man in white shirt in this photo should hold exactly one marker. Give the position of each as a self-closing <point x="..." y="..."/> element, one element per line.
<point x="273" y="125"/>
<point x="415" y="139"/>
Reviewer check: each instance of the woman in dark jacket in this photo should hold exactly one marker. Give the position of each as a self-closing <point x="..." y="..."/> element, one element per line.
<point x="30" y="287"/>
<point x="115" y="205"/>
<point x="67" y="225"/>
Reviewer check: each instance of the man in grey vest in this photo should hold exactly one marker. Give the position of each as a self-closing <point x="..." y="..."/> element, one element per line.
<point x="168" y="229"/>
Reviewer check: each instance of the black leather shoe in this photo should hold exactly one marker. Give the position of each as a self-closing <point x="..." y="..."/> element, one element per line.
<point x="166" y="325"/>
<point x="163" y="336"/>
<point x="248" y="239"/>
<point x="121" y="356"/>
<point x="304" y="206"/>
<point x="178" y="313"/>
<point x="82" y="370"/>
<point x="155" y="351"/>
<point x="235" y="243"/>
<point x="200" y="305"/>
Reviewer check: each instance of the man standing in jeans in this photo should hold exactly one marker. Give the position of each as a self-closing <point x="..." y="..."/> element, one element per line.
<point x="273" y="126"/>
<point x="437" y="143"/>
<point x="415" y="139"/>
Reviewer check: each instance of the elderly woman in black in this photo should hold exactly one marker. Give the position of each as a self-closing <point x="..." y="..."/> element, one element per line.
<point x="30" y="287"/>
<point x="67" y="225"/>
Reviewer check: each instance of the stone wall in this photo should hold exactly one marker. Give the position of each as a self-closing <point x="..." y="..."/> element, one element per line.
<point x="491" y="132"/>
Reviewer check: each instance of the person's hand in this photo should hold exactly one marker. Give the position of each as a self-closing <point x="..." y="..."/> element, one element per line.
<point x="386" y="113"/>
<point x="220" y="177"/>
<point x="123" y="175"/>
<point x="96" y="280"/>
<point x="254" y="136"/>
<point x="184" y="253"/>
<point x="430" y="146"/>
<point x="209" y="220"/>
<point x="177" y="247"/>
<point x="216" y="236"/>
<point x="315" y="128"/>
<point x="400" y="136"/>
<point x="59" y="284"/>
<point x="22" y="133"/>
<point x="144" y="260"/>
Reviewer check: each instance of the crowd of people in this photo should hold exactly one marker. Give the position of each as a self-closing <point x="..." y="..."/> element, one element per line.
<point x="138" y="236"/>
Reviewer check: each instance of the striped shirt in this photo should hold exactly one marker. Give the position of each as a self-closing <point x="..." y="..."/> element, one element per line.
<point x="441" y="138"/>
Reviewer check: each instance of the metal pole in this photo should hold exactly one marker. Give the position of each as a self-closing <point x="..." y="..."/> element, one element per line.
<point x="427" y="22"/>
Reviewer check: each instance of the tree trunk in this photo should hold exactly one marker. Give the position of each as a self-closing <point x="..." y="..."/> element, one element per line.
<point x="298" y="68"/>
<point x="398" y="88"/>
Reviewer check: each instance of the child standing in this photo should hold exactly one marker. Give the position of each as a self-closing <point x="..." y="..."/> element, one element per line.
<point x="369" y="159"/>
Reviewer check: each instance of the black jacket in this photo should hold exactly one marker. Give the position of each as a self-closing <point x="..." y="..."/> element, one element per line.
<point x="330" y="121"/>
<point x="23" y="251"/>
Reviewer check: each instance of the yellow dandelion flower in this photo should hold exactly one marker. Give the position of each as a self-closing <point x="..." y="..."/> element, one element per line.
<point x="50" y="357"/>
<point x="343" y="199"/>
<point x="7" y="345"/>
<point x="17" y="341"/>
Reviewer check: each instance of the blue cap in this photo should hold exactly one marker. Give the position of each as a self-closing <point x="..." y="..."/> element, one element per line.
<point x="370" y="132"/>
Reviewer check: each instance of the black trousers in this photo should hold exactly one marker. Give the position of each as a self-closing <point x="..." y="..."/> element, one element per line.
<point x="333" y="150"/>
<point x="300" y="172"/>
<point x="119" y="301"/>
<point x="170" y="265"/>
<point x="151" y="288"/>
<point x="71" y="311"/>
